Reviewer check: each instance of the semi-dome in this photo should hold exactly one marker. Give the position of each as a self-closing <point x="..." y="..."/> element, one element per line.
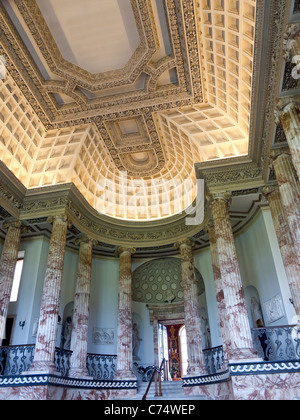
<point x="160" y="281"/>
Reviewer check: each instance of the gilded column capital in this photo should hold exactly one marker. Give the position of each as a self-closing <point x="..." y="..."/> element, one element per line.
<point x="184" y="242"/>
<point x="269" y="189"/>
<point x="124" y="249"/>
<point x="285" y="105"/>
<point x="225" y="196"/>
<point x="276" y="153"/>
<point x="85" y="239"/>
<point x="17" y="224"/>
<point x="61" y="217"/>
<point x="289" y="40"/>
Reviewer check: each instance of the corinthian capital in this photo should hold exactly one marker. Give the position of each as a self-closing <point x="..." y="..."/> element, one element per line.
<point x="289" y="40"/>
<point x="128" y="250"/>
<point x="269" y="189"/>
<point x="225" y="196"/>
<point x="17" y="224"/>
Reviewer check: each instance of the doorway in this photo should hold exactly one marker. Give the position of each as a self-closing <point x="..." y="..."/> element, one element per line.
<point x="173" y="348"/>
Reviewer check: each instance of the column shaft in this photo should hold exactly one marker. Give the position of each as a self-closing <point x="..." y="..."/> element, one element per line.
<point x="124" y="362"/>
<point x="192" y="311"/>
<point x="236" y="318"/>
<point x="8" y="263"/>
<point x="47" y="329"/>
<point x="219" y="290"/>
<point x="79" y="338"/>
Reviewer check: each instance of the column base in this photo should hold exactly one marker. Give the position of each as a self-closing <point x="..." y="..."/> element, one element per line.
<point x="44" y="368"/>
<point x="244" y="355"/>
<point x="78" y="373"/>
<point x="125" y="375"/>
<point x="196" y="371"/>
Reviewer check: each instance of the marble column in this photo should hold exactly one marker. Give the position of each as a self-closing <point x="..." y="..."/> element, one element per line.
<point x="236" y="318"/>
<point x="288" y="113"/>
<point x="8" y="263"/>
<point x="219" y="290"/>
<point x="289" y="188"/>
<point x="196" y="365"/>
<point x="285" y="241"/>
<point x="155" y="341"/>
<point x="124" y="361"/>
<point x="79" y="337"/>
<point x="47" y="330"/>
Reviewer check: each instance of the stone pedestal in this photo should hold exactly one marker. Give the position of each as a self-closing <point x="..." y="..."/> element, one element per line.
<point x="47" y="330"/>
<point x="81" y="310"/>
<point x="124" y="361"/>
<point x="240" y="344"/>
<point x="196" y="364"/>
<point x="8" y="263"/>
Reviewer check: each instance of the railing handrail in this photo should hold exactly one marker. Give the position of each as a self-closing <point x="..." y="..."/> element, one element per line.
<point x="154" y="374"/>
<point x="58" y="349"/>
<point x="275" y="327"/>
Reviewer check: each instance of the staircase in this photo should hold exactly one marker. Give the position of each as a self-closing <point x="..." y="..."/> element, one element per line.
<point x="170" y="391"/>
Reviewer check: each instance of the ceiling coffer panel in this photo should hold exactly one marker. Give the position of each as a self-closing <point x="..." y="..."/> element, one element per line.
<point x="124" y="102"/>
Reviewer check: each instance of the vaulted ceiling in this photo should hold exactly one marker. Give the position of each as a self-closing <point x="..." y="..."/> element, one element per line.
<point x="124" y="97"/>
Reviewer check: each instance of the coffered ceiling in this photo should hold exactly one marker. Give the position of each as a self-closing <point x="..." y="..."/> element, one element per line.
<point x="124" y="97"/>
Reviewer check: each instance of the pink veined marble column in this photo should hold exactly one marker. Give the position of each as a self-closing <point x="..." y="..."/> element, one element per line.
<point x="286" y="244"/>
<point x="155" y="341"/>
<point x="79" y="337"/>
<point x="47" y="329"/>
<point x="289" y="188"/>
<point x="236" y="318"/>
<point x="219" y="291"/>
<point x="124" y="361"/>
<point x="196" y="365"/>
<point x="8" y="263"/>
<point x="288" y="112"/>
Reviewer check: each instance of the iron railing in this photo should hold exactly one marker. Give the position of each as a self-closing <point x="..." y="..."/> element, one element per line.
<point x="214" y="359"/>
<point x="15" y="360"/>
<point x="273" y="344"/>
<point x="277" y="343"/>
